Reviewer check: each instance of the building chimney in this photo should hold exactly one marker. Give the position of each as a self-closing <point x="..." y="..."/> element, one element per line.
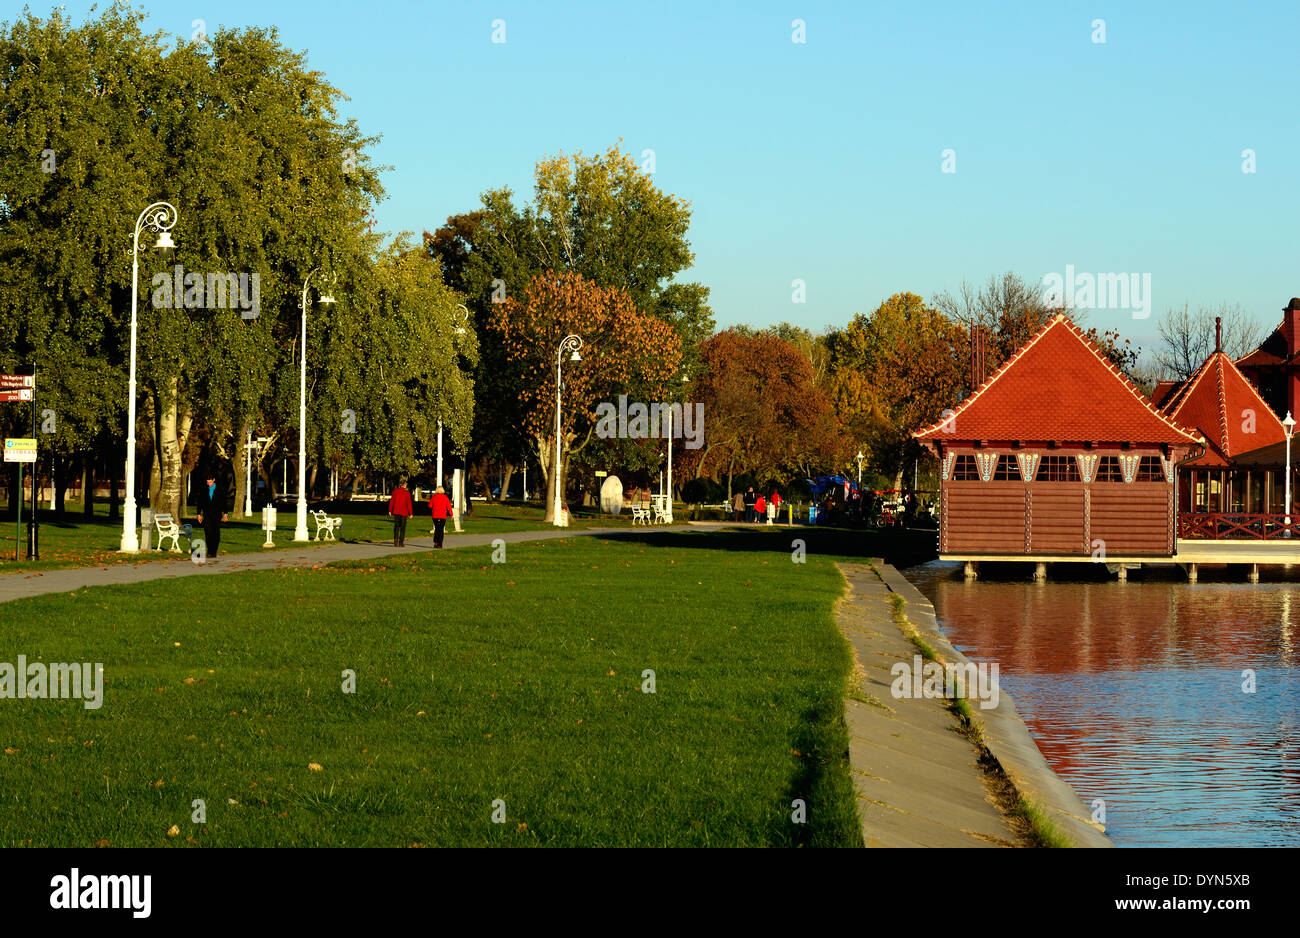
<point x="1291" y="326"/>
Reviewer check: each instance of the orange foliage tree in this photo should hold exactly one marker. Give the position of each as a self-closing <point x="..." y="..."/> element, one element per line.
<point x="763" y="412"/>
<point x="623" y="351"/>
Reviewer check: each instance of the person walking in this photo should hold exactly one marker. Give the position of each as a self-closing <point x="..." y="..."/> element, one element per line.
<point x="440" y="508"/>
<point x="760" y="508"/>
<point x="749" y="504"/>
<point x="211" y="505"/>
<point x="774" y="506"/>
<point x="738" y="506"/>
<point x="399" y="509"/>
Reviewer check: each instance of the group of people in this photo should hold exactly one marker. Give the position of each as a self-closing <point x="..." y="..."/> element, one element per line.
<point x="753" y="508"/>
<point x="401" y="507"/>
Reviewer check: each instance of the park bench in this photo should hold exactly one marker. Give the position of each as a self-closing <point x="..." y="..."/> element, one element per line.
<point x="640" y="513"/>
<point x="661" y="513"/>
<point x="327" y="524"/>
<point x="168" y="528"/>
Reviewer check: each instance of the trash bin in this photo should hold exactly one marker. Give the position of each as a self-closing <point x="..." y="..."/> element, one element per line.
<point x="146" y="529"/>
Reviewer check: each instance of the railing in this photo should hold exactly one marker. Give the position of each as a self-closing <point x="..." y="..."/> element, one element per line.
<point x="1222" y="525"/>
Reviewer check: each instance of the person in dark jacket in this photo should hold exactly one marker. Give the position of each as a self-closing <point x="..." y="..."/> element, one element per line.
<point x="440" y="508"/>
<point x="399" y="509"/>
<point x="750" y="499"/>
<point x="211" y="507"/>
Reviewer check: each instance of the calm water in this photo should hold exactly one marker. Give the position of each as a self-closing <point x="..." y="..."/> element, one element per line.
<point x="1134" y="693"/>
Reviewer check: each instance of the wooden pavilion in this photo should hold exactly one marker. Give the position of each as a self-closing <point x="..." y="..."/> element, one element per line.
<point x="1058" y="457"/>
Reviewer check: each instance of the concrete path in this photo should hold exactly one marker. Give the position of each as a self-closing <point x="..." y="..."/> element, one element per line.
<point x="22" y="585"/>
<point x="917" y="780"/>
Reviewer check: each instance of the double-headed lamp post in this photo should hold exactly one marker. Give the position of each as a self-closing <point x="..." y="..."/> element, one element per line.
<point x="300" y="530"/>
<point x="460" y="330"/>
<point x="1289" y="426"/>
<point x="160" y="217"/>
<point x="572" y="344"/>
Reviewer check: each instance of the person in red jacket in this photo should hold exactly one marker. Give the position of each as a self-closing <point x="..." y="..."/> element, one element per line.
<point x="760" y="508"/>
<point x="440" y="508"/>
<point x="399" y="509"/>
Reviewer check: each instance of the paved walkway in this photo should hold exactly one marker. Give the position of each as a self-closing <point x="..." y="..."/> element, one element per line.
<point x="22" y="585"/>
<point x="917" y="781"/>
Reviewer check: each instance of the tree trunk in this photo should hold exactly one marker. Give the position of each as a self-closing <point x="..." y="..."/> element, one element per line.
<point x="88" y="486"/>
<point x="59" y="477"/>
<point x="114" y="490"/>
<point x="237" y="466"/>
<point x="311" y="479"/>
<point x="508" y="474"/>
<point x="171" y="495"/>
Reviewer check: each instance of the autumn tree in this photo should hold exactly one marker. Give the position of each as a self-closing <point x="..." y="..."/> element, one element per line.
<point x="763" y="412"/>
<point x="600" y="217"/>
<point x="908" y="358"/>
<point x="623" y="348"/>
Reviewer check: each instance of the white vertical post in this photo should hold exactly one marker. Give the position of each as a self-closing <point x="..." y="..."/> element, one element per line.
<point x="438" y="481"/>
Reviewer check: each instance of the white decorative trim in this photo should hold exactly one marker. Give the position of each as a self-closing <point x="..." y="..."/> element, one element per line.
<point x="1087" y="465"/>
<point x="986" y="462"/>
<point x="1128" y="465"/>
<point x="1028" y="465"/>
<point x="1168" y="463"/>
<point x="945" y="467"/>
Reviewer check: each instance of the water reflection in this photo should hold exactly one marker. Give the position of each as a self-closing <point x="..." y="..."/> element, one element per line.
<point x="1133" y="692"/>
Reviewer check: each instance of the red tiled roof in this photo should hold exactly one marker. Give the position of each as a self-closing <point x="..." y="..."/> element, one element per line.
<point x="1059" y="387"/>
<point x="1222" y="404"/>
<point x="1164" y="390"/>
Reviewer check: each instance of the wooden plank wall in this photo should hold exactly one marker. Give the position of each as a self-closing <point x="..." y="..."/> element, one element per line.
<point x="1056" y="517"/>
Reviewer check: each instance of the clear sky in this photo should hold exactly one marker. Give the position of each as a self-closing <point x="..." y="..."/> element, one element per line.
<point x="822" y="160"/>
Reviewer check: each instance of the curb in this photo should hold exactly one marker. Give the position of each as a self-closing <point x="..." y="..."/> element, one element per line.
<point x="1005" y="733"/>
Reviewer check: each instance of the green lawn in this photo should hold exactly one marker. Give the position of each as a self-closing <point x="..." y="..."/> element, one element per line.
<point x="77" y="542"/>
<point x="475" y="682"/>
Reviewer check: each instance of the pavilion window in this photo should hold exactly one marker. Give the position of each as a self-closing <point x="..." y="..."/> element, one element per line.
<point x="1008" y="469"/>
<point x="1059" y="469"/>
<point x="1150" y="469"/>
<point x="965" y="469"/>
<point x="1108" y="470"/>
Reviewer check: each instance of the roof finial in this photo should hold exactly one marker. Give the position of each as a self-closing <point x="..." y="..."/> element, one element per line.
<point x="1218" y="334"/>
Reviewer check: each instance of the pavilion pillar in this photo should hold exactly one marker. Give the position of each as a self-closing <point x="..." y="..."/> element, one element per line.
<point x="971" y="570"/>
<point x="1040" y="571"/>
<point x="1191" y="573"/>
<point x="1122" y="573"/>
<point x="1253" y="573"/>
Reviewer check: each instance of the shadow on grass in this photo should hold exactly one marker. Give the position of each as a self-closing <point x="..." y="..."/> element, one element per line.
<point x="902" y="548"/>
<point x="821" y="739"/>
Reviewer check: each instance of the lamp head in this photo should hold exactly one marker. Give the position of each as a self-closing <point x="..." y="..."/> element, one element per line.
<point x="327" y="299"/>
<point x="165" y="241"/>
<point x="1289" y="423"/>
<point x="575" y="357"/>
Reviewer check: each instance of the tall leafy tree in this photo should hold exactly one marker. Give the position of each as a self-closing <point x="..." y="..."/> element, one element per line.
<point x="622" y="348"/>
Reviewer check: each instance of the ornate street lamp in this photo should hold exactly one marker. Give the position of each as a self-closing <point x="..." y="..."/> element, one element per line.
<point x="160" y="217"/>
<point x="300" y="529"/>
<point x="1289" y="426"/>
<point x="571" y="343"/>
<point x="859" y="458"/>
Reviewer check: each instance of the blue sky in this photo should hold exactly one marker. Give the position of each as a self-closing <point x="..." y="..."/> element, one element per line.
<point x="822" y="161"/>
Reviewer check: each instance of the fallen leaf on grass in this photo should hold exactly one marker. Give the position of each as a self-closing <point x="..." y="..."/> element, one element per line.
<point x="173" y="831"/>
<point x="315" y="766"/>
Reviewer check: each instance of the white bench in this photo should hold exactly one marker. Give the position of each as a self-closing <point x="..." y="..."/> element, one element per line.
<point x="661" y="513"/>
<point x="168" y="528"/>
<point x="640" y="513"/>
<point x="327" y="524"/>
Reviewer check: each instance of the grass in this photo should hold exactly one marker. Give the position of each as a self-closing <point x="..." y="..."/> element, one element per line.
<point x="474" y="682"/>
<point x="1045" y="832"/>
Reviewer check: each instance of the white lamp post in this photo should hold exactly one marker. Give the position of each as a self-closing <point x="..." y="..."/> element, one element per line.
<point x="669" y="506"/>
<point x="859" y="458"/>
<point x="1289" y="426"/>
<point x="571" y="343"/>
<point x="460" y="330"/>
<point x="159" y="217"/>
<point x="300" y="529"/>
